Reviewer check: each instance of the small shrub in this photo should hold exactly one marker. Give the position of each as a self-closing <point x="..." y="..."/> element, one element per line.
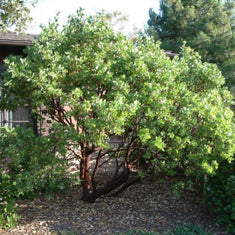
<point x="28" y="166"/>
<point x="220" y="193"/>
<point x="191" y="185"/>
<point x="8" y="214"/>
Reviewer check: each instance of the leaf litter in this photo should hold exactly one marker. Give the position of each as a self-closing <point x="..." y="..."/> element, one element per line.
<point x="146" y="206"/>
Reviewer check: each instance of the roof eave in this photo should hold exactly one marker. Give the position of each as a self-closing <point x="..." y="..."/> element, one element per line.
<point x="10" y="42"/>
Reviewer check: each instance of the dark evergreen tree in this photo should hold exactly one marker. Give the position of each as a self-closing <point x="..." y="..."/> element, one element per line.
<point x="207" y="26"/>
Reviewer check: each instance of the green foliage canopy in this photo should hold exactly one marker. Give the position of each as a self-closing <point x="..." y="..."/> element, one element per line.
<point x="95" y="83"/>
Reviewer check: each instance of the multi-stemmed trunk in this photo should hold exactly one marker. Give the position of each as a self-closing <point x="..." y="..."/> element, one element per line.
<point x="121" y="175"/>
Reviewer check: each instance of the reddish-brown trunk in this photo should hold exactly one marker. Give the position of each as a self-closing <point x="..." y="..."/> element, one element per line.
<point x="119" y="182"/>
<point x="84" y="173"/>
<point x="122" y="177"/>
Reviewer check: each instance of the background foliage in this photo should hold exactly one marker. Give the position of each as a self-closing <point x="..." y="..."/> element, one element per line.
<point x="206" y="26"/>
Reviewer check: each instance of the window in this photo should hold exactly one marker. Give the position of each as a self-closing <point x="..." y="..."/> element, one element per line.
<point x="19" y="117"/>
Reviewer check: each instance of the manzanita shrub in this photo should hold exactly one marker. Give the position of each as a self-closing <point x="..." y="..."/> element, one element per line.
<point x="28" y="166"/>
<point x="95" y="84"/>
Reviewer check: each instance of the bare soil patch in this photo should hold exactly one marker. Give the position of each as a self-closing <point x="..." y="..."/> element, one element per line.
<point x="146" y="206"/>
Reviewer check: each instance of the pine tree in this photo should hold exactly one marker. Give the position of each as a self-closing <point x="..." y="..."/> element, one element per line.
<point x="208" y="26"/>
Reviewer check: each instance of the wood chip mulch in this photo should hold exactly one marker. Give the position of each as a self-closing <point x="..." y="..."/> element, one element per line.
<point x="146" y="206"/>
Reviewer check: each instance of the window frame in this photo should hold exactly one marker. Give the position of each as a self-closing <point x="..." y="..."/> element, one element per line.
<point x="7" y="116"/>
